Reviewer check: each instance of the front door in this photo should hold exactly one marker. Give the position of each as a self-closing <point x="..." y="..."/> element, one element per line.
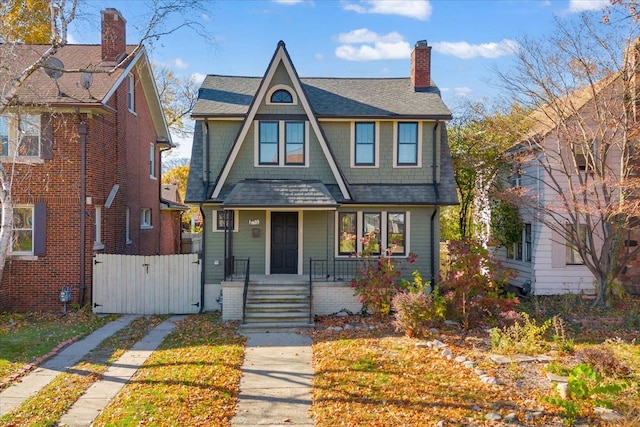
<point x="284" y="243"/>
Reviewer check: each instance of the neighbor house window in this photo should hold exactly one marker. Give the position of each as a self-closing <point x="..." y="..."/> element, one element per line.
<point x="127" y="230"/>
<point x="131" y="99"/>
<point x="347" y="233"/>
<point x="371" y="223"/>
<point x="365" y="144"/>
<point x="396" y="233"/>
<point x="22" y="230"/>
<point x="528" y="239"/>
<point x="225" y="216"/>
<point x="4" y="135"/>
<point x="294" y="143"/>
<point x="97" y="230"/>
<point x="407" y="144"/>
<point x="268" y="143"/>
<point x="152" y="160"/>
<point x="145" y="218"/>
<point x="281" y="96"/>
<point x="573" y="254"/>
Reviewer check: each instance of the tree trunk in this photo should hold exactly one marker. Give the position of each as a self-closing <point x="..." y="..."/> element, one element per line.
<point x="6" y="229"/>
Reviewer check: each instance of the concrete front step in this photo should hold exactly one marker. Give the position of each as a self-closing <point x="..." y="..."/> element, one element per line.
<point x="277" y="306"/>
<point x="275" y="327"/>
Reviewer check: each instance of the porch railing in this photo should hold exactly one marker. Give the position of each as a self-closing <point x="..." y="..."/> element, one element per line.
<point x="333" y="270"/>
<point x="245" y="290"/>
<point x="236" y="268"/>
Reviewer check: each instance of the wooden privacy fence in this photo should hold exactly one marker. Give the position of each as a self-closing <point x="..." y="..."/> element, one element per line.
<point x="134" y="284"/>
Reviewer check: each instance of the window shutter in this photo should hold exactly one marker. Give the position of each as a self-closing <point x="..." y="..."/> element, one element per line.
<point x="558" y="250"/>
<point x="46" y="139"/>
<point x="40" y="229"/>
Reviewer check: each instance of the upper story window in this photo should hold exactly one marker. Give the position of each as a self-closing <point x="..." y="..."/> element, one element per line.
<point x="20" y="135"/>
<point x="407" y="147"/>
<point x="145" y="218"/>
<point x="365" y="144"/>
<point x="282" y="143"/>
<point x="131" y="98"/>
<point x="281" y="94"/>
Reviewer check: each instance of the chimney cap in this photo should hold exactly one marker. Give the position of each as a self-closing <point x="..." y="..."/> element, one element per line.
<point x="113" y="11"/>
<point x="421" y="43"/>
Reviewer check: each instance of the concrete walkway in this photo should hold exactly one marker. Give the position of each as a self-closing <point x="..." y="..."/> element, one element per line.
<point x="275" y="389"/>
<point x="17" y="393"/>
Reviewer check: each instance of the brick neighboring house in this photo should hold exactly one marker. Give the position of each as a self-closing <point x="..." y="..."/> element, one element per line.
<point x="109" y="124"/>
<point x="171" y="210"/>
<point x="291" y="173"/>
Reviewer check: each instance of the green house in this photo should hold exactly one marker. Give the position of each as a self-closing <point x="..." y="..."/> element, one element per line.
<point x="292" y="173"/>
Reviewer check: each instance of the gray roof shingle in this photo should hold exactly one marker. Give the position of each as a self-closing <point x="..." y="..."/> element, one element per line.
<point x="279" y="193"/>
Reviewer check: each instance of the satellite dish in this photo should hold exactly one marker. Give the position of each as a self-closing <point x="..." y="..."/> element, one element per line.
<point x="53" y="68"/>
<point x="85" y="80"/>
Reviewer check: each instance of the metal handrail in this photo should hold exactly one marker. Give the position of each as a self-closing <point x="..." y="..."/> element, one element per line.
<point x="310" y="290"/>
<point x="244" y="292"/>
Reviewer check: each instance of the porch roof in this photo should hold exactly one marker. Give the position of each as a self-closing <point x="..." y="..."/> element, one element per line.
<point x="280" y="193"/>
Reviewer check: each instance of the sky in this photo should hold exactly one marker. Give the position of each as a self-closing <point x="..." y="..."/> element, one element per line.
<point x="347" y="38"/>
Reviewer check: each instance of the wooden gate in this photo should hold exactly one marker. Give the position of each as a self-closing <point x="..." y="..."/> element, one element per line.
<point x="135" y="284"/>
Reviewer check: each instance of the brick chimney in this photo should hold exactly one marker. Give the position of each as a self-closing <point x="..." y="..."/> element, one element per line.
<point x="114" y="42"/>
<point x="421" y="66"/>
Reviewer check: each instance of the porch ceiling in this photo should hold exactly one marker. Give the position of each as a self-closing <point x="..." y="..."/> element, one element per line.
<point x="280" y="193"/>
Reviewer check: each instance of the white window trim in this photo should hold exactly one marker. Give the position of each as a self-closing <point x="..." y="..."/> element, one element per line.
<point x="294" y="96"/>
<point x="384" y="244"/>
<point x="215" y="221"/>
<point x="152" y="160"/>
<point x="131" y="93"/>
<point x="281" y="145"/>
<point x="395" y="145"/>
<point x="97" y="238"/>
<point x="376" y="143"/>
<point x="13" y="130"/>
<point x="146" y="225"/>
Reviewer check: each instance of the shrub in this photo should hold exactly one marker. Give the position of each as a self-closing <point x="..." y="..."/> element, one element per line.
<point x="377" y="280"/>
<point x="525" y="337"/>
<point x="604" y="361"/>
<point x="414" y="311"/>
<point x="473" y="284"/>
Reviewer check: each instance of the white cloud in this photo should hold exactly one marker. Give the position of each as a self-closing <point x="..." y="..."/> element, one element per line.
<point x="462" y="91"/>
<point x="417" y="9"/>
<point x="585" y="5"/>
<point x="465" y="50"/>
<point x="198" y="77"/>
<point x="366" y="45"/>
<point x="180" y="64"/>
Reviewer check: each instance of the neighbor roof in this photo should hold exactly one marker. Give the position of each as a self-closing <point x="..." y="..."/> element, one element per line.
<point x="222" y="96"/>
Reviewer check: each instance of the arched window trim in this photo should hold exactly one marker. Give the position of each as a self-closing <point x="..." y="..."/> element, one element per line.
<point x="276" y="88"/>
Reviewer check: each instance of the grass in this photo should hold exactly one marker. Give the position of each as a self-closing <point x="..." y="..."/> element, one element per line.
<point x="191" y="380"/>
<point x="27" y="336"/>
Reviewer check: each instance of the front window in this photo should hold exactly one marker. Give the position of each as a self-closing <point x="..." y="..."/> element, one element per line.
<point x="365" y="146"/>
<point x="145" y="218"/>
<point x="22" y="230"/>
<point x="294" y="143"/>
<point x="371" y="231"/>
<point x="223" y="217"/>
<point x="407" y="144"/>
<point x="348" y="238"/>
<point x="573" y="256"/>
<point x="396" y="233"/>
<point x="268" y="143"/>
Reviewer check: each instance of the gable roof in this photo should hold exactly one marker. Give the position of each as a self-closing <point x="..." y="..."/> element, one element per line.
<point x="228" y="96"/>
<point x="280" y="57"/>
<point x="41" y="90"/>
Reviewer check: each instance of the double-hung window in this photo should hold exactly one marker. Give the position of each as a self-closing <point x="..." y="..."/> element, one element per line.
<point x="396" y="236"/>
<point x="268" y="143"/>
<point x="573" y="256"/>
<point x="365" y="144"/>
<point x="294" y="143"/>
<point x="407" y="154"/>
<point x="20" y="135"/>
<point x="152" y="160"/>
<point x="22" y="230"/>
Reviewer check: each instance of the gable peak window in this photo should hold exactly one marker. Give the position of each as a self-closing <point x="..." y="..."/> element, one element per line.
<point x="281" y="96"/>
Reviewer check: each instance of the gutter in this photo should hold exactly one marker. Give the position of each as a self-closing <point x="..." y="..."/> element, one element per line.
<point x="435" y="209"/>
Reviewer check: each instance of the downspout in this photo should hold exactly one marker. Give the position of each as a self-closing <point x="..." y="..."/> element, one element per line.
<point x="434" y="281"/>
<point x="202" y="258"/>
<point x="82" y="132"/>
